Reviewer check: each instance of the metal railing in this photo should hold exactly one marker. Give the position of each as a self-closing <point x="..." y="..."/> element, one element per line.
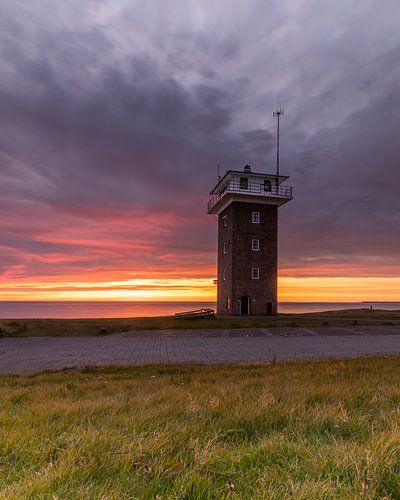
<point x="281" y="191"/>
<point x="198" y="313"/>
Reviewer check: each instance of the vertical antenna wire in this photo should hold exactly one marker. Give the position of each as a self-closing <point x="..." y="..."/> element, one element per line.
<point x="277" y="114"/>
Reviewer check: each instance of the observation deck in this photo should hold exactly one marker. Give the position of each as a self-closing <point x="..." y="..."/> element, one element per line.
<point x="247" y="186"/>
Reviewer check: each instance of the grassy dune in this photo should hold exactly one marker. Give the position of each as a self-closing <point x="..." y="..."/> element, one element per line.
<point x="90" y="327"/>
<point x="305" y="431"/>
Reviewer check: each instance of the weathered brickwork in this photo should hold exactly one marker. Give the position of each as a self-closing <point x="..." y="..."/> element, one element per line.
<point x="238" y="293"/>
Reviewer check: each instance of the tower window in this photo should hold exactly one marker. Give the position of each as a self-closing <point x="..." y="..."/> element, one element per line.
<point x="267" y="185"/>
<point x="224" y="274"/>
<point x="255" y="273"/>
<point x="228" y="303"/>
<point x="255" y="217"/>
<point x="224" y="222"/>
<point x="225" y="247"/>
<point x="244" y="183"/>
<point x="255" y="245"/>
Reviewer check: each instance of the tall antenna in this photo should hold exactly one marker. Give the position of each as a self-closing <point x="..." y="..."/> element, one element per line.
<point x="277" y="114"/>
<point x="219" y="177"/>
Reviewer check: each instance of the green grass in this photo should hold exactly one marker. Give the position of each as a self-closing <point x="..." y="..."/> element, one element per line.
<point x="91" y="327"/>
<point x="305" y="431"/>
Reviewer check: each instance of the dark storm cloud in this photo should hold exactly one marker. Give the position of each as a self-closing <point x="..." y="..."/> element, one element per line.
<point x="141" y="129"/>
<point x="112" y="111"/>
<point x="347" y="191"/>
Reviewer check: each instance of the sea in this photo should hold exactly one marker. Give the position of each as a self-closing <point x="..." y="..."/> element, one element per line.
<point x="81" y="309"/>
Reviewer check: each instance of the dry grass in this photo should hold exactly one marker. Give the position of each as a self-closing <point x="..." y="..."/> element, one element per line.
<point x="90" y="327"/>
<point x="305" y="431"/>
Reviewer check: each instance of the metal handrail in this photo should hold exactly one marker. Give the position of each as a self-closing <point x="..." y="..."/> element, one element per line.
<point x="192" y="314"/>
<point x="282" y="191"/>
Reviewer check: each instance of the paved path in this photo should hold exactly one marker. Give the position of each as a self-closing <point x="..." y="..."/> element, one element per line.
<point x="35" y="354"/>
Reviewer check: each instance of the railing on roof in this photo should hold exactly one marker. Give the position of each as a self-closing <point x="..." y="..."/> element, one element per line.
<point x="281" y="191"/>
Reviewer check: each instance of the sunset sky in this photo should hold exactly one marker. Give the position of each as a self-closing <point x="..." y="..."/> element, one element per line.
<point x="114" y="115"/>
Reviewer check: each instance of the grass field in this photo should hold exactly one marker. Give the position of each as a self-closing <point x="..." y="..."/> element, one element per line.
<point x="308" y="431"/>
<point x="92" y="327"/>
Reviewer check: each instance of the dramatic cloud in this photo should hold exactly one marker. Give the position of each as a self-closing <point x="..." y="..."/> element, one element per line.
<point x="114" y="116"/>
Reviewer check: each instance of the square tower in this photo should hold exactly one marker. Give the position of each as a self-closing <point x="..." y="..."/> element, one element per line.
<point x="247" y="207"/>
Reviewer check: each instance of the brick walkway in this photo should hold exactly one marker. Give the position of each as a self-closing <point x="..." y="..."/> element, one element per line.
<point x="35" y="354"/>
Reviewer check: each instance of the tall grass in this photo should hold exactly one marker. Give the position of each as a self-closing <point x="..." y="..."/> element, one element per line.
<point x="308" y="431"/>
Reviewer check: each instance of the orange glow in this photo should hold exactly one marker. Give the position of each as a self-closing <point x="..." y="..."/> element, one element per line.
<point x="138" y="256"/>
<point x="135" y="289"/>
<point x="315" y="289"/>
<point x="339" y="289"/>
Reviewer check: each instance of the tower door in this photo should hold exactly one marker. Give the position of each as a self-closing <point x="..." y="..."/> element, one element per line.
<point x="244" y="305"/>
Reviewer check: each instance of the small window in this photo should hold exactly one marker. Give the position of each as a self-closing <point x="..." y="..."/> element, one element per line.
<point x="228" y="303"/>
<point x="243" y="183"/>
<point x="255" y="273"/>
<point x="267" y="185"/>
<point x="225" y="247"/>
<point x="255" y="245"/>
<point x="224" y="222"/>
<point x="224" y="274"/>
<point x="255" y="217"/>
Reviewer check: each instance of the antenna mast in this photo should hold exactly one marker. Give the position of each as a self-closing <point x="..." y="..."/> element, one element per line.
<point x="277" y="114"/>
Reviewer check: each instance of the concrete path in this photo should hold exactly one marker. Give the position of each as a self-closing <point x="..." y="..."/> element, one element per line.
<point x="35" y="354"/>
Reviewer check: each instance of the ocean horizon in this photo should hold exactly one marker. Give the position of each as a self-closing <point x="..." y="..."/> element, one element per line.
<point x="127" y="309"/>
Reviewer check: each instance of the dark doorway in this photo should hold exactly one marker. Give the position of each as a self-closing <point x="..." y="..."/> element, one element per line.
<point x="244" y="306"/>
<point x="269" y="308"/>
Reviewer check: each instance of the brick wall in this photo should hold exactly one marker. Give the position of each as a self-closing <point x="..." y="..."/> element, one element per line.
<point x="240" y="258"/>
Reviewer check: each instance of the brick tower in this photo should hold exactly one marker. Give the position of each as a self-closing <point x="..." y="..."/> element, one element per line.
<point x="247" y="204"/>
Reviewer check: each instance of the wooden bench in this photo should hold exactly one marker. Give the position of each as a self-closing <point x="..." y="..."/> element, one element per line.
<point x="198" y="313"/>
